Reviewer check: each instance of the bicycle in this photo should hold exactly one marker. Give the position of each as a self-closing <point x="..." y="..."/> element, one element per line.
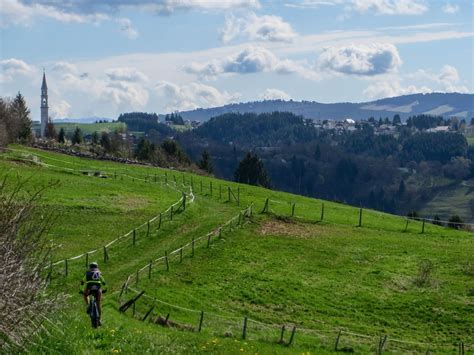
<point x="94" y="309"/>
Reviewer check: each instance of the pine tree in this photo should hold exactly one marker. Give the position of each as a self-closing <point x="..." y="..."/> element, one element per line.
<point x="252" y="171"/>
<point x="205" y="162"/>
<point x="77" y="137"/>
<point x="317" y="153"/>
<point x="21" y="117"/>
<point x="401" y="189"/>
<point x="62" y="136"/>
<point x="95" y="138"/>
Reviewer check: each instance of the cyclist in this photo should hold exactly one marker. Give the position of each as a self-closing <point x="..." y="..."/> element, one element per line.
<point x="93" y="282"/>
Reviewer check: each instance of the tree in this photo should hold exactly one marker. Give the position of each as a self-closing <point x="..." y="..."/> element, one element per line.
<point x="455" y="222"/>
<point x="397" y="120"/>
<point x="21" y="117"/>
<point x="252" y="171"/>
<point x="105" y="142"/>
<point x="77" y="137"/>
<point x="144" y="150"/>
<point x="62" y="135"/>
<point x="95" y="138"/>
<point x="317" y="153"/>
<point x="401" y="189"/>
<point x="50" y="131"/>
<point x="205" y="162"/>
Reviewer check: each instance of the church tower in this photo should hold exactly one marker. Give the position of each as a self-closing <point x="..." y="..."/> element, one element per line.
<point x="44" y="106"/>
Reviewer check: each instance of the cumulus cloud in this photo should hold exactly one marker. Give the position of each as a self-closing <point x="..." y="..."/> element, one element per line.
<point x="127" y="29"/>
<point x="253" y="27"/>
<point x="250" y="60"/>
<point x="126" y="74"/>
<point x="191" y="96"/>
<point x="12" y="67"/>
<point x="367" y="60"/>
<point x="451" y="9"/>
<point x="446" y="80"/>
<point x="274" y="94"/>
<point x="390" y="7"/>
<point x="64" y="67"/>
<point x="391" y="88"/>
<point x="60" y="109"/>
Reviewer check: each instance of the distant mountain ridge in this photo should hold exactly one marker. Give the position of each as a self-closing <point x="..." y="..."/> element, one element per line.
<point x="444" y="104"/>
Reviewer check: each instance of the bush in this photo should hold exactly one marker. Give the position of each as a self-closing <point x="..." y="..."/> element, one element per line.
<point x="424" y="277"/>
<point x="455" y="222"/>
<point x="24" y="255"/>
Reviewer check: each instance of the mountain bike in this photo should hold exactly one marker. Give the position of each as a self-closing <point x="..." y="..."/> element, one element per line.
<point x="94" y="309"/>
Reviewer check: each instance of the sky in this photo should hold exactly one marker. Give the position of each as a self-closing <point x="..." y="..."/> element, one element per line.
<point x="105" y="57"/>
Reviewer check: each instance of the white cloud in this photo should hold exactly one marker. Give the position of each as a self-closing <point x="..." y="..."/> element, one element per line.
<point x="12" y="67"/>
<point x="15" y="12"/>
<point x="447" y="80"/>
<point x="60" y="109"/>
<point x="127" y="29"/>
<point x="391" y="88"/>
<point x="451" y="9"/>
<point x="249" y="60"/>
<point x="191" y="96"/>
<point x="369" y="60"/>
<point x="261" y="28"/>
<point x="126" y="74"/>
<point x="274" y="94"/>
<point x="124" y="95"/>
<point x="312" y="4"/>
<point x="64" y="67"/>
<point x="390" y="7"/>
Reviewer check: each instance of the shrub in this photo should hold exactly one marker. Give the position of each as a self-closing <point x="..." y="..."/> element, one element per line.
<point x="424" y="277"/>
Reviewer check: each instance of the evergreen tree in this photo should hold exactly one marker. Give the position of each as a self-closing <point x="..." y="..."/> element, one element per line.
<point x="144" y="150"/>
<point x="62" y="136"/>
<point x="50" y="131"/>
<point x="105" y="142"/>
<point x="252" y="171"/>
<point x="21" y="117"/>
<point x="317" y="153"/>
<point x="401" y="189"/>
<point x="205" y="162"/>
<point x="77" y="137"/>
<point x="397" y="120"/>
<point x="95" y="138"/>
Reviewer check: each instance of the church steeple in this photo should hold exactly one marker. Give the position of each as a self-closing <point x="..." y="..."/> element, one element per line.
<point x="44" y="106"/>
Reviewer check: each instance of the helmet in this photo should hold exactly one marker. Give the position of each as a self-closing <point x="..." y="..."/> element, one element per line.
<point x="93" y="265"/>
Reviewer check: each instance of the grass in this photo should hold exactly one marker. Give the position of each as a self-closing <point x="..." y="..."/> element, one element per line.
<point x="89" y="128"/>
<point x="321" y="276"/>
<point x="470" y="140"/>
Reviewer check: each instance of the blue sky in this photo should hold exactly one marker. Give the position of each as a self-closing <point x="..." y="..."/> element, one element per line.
<point x="104" y="57"/>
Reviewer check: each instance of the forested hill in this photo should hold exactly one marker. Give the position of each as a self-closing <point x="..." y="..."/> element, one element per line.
<point x="446" y="104"/>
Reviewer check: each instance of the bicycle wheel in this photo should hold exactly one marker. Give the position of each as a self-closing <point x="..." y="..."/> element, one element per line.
<point x="94" y="314"/>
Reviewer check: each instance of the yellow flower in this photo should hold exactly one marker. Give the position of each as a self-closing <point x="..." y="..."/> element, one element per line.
<point x="242" y="349"/>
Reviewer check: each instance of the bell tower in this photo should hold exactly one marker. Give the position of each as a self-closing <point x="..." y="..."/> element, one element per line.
<point x="44" y="106"/>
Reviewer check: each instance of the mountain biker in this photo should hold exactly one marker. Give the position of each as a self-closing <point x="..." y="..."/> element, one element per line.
<point x="93" y="282"/>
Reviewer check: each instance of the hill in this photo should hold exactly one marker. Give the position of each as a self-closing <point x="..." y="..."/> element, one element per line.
<point x="446" y="104"/>
<point x="324" y="268"/>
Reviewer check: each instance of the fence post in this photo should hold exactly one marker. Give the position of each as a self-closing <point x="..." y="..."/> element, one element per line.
<point x="244" y="330"/>
<point x="106" y="254"/>
<point x="282" y="334"/>
<point x="174" y="179"/>
<point x="293" y="209"/>
<point x="423" y="227"/>
<point x="66" y="271"/>
<point x="167" y="262"/>
<point x="148" y="228"/>
<point x="87" y="259"/>
<point x="337" y="340"/>
<point x="181" y="254"/>
<point x="238" y="196"/>
<point x="192" y="248"/>
<point x="461" y="348"/>
<point x="265" y="207"/>
<point x="200" y="321"/>
<point x="292" y="335"/>
<point x="149" y="269"/>
<point x="360" y="217"/>
<point x="134" y="238"/>
<point x="322" y="212"/>
<point x="228" y="192"/>
<point x="171" y="213"/>
<point x="159" y="222"/>
<point x="220" y="233"/>
<point x="184" y="201"/>
<point x="406" y="225"/>
<point x="220" y="191"/>
<point x="148" y="313"/>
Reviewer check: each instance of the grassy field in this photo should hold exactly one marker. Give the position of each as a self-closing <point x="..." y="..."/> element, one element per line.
<point x="470" y="140"/>
<point x="383" y="278"/>
<point x="87" y="128"/>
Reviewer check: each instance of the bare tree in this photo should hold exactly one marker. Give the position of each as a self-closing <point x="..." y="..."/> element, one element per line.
<point x="24" y="254"/>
